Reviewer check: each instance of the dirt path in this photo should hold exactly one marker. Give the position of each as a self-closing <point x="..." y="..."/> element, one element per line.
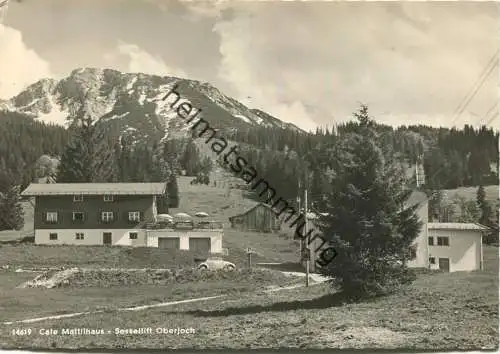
<point x="137" y="308"/>
<point x="314" y="277"/>
<point x="144" y="307"/>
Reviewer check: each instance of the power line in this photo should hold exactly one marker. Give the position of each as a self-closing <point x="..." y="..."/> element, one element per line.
<point x="477" y="85"/>
<point x="490" y="110"/>
<point x="485" y="69"/>
<point x="493" y="117"/>
<point x="492" y="63"/>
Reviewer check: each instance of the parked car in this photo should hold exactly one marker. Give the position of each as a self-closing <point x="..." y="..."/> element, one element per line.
<point x="214" y="263"/>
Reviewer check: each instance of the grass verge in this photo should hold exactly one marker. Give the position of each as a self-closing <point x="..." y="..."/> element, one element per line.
<point x="19" y="304"/>
<point x="439" y="311"/>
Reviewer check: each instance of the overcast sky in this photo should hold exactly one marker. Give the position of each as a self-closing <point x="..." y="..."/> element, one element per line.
<point x="309" y="63"/>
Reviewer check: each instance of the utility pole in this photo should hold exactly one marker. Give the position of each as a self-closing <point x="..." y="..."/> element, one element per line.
<point x="249" y="254"/>
<point x="416" y="174"/>
<point x="270" y="219"/>
<point x="308" y="251"/>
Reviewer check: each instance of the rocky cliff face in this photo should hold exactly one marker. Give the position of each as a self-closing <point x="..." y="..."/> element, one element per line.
<point x="133" y="101"/>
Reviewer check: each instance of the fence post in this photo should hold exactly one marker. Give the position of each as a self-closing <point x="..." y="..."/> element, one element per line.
<point x="249" y="253"/>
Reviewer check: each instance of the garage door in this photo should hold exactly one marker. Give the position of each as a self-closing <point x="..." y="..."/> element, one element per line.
<point x="199" y="245"/>
<point x="169" y="243"/>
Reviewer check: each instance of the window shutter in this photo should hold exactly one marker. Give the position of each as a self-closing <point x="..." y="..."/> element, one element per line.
<point x="141" y="216"/>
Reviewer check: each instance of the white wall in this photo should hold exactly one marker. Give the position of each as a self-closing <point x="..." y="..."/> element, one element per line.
<point x="464" y="250"/>
<point x="91" y="237"/>
<point x="184" y="235"/>
<point x="155" y="208"/>
<point x="421" y="242"/>
<point x="121" y="237"/>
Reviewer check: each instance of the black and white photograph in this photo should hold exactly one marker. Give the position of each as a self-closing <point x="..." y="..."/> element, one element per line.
<point x="249" y="175"/>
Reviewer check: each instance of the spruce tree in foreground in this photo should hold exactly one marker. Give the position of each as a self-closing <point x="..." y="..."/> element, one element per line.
<point x="488" y="216"/>
<point x="90" y="155"/>
<point x="72" y="168"/>
<point x="484" y="206"/>
<point x="367" y="221"/>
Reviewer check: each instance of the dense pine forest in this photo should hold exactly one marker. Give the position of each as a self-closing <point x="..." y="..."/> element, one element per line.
<point x="451" y="158"/>
<point x="30" y="149"/>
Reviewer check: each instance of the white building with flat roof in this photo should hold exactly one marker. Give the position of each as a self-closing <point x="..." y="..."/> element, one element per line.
<point x="454" y="247"/>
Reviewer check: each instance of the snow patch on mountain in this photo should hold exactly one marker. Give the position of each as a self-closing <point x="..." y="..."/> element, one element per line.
<point x="117" y="116"/>
<point x="55" y="114"/>
<point x="243" y="118"/>
<point x="163" y="107"/>
<point x="130" y="85"/>
<point x="135" y="100"/>
<point x="34" y="102"/>
<point x="142" y="98"/>
<point x="259" y="120"/>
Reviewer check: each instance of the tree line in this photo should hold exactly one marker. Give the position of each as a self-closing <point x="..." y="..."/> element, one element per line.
<point x="451" y="157"/>
<point x="290" y="161"/>
<point x="283" y="157"/>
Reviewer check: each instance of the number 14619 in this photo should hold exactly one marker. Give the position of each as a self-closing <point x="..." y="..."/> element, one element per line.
<point x="21" y="332"/>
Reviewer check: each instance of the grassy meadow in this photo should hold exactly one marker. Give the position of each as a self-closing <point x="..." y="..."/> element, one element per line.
<point x="439" y="311"/>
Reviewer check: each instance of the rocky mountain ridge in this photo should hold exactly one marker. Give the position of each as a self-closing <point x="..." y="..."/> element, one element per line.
<point x="133" y="102"/>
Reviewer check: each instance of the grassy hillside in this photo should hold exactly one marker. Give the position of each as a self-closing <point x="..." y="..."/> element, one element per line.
<point x="470" y="193"/>
<point x="220" y="202"/>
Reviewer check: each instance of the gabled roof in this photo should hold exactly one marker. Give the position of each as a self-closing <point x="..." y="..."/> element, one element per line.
<point x="252" y="208"/>
<point x="456" y="226"/>
<point x="37" y="189"/>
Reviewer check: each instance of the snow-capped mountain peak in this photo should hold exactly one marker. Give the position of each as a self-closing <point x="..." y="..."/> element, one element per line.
<point x="134" y="101"/>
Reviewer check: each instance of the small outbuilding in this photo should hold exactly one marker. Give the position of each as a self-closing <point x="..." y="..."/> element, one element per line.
<point x="260" y="218"/>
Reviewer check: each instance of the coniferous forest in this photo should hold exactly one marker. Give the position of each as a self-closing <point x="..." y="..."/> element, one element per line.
<point x="451" y="158"/>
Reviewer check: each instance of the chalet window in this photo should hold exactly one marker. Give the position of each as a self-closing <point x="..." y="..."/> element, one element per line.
<point x="51" y="216"/>
<point x="431" y="241"/>
<point x="53" y="236"/>
<point x="432" y="260"/>
<point x="78" y="198"/>
<point x="107" y="216"/>
<point x="79" y="235"/>
<point x="108" y="198"/>
<point x="412" y="252"/>
<point x="78" y="216"/>
<point x="443" y="241"/>
<point x="134" y="216"/>
<point x="132" y="235"/>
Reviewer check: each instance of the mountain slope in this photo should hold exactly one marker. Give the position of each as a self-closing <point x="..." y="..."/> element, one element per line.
<point x="134" y="102"/>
